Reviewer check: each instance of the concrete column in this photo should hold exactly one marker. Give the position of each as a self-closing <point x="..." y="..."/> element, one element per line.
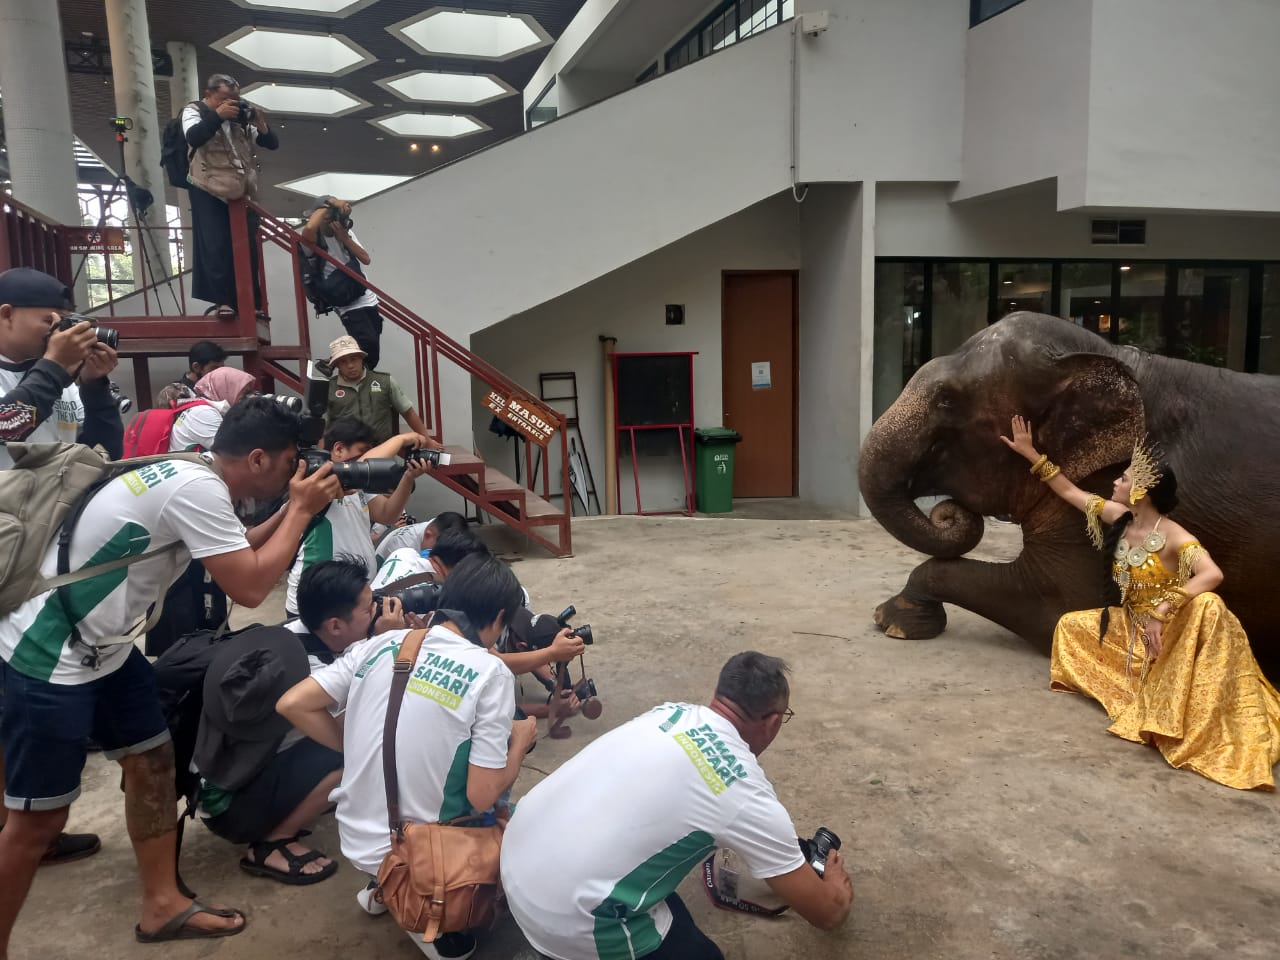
<point x="133" y="77"/>
<point x="37" y="108"/>
<point x="184" y="87"/>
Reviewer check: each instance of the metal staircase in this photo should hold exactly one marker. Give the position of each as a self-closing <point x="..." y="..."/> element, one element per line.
<point x="27" y="238"/>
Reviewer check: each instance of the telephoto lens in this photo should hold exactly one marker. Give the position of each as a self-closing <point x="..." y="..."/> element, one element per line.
<point x="123" y="403"/>
<point x="292" y="404"/>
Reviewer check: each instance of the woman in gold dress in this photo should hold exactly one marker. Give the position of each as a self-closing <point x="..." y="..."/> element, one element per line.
<point x="1171" y="664"/>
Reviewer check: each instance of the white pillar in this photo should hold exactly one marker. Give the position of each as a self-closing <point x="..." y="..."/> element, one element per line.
<point x="184" y="87"/>
<point x="37" y="108"/>
<point x="133" y="76"/>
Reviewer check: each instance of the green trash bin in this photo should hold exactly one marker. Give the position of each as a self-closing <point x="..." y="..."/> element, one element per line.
<point x="714" y="459"/>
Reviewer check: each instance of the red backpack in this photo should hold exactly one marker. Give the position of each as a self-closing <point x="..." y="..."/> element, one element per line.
<point x="150" y="431"/>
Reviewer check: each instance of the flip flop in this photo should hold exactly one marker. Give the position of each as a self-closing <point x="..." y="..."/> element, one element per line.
<point x="293" y="877"/>
<point x="177" y="929"/>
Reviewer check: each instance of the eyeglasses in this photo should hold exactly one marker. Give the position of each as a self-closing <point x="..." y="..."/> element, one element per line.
<point x="786" y="714"/>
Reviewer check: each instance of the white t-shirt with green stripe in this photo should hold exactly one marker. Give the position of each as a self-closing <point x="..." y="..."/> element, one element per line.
<point x="640" y="806"/>
<point x="457" y="711"/>
<point x="344" y="529"/>
<point x="406" y="562"/>
<point x="152" y="507"/>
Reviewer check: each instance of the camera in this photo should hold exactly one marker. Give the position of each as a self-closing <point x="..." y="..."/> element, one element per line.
<point x="582" y="632"/>
<point x="244" y="113"/>
<point x="816" y="850"/>
<point x="335" y="214"/>
<point x="108" y="335"/>
<point x="292" y="404"/>
<point x="419" y="598"/>
<point x="123" y="404"/>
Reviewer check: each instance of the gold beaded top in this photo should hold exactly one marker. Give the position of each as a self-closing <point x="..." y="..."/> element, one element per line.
<point x="1144" y="472"/>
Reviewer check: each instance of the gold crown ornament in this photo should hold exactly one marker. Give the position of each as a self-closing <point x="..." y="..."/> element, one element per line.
<point x="1144" y="470"/>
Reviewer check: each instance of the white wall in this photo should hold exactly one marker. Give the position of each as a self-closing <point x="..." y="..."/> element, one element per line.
<point x="882" y="90"/>
<point x="1026" y="99"/>
<point x="1183" y="104"/>
<point x="917" y="220"/>
<point x="563" y="334"/>
<point x="590" y="20"/>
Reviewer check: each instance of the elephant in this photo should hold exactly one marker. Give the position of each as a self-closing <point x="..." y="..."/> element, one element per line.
<point x="1088" y="400"/>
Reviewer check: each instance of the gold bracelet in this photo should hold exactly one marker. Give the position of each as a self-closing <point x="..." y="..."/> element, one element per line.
<point x="1049" y="471"/>
<point x="1035" y="467"/>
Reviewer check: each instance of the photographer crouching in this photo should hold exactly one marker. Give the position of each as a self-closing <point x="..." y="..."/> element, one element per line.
<point x="682" y="780"/>
<point x="70" y="670"/>
<point x="329" y="227"/>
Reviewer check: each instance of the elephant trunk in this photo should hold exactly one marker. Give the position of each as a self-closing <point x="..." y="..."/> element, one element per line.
<point x="888" y="471"/>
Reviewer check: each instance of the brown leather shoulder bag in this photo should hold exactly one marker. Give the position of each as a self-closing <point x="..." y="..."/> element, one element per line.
<point x="438" y="877"/>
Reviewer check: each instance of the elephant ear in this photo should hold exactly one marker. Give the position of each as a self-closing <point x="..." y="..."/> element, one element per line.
<point x="1093" y="414"/>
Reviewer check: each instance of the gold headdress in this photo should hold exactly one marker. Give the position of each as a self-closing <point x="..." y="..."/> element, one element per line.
<point x="1144" y="471"/>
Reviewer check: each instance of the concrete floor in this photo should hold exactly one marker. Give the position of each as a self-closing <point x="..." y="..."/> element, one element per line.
<point x="983" y="816"/>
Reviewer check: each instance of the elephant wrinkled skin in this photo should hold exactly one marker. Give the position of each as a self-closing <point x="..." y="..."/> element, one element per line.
<point x="1087" y="399"/>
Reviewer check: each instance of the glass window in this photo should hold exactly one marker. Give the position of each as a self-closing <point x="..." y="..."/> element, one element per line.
<point x="1140" y="309"/>
<point x="1024" y="286"/>
<point x="1269" y="347"/>
<point x="1085" y="297"/>
<point x="959" y="304"/>
<point x="1209" y="315"/>
<point x="545" y="109"/>
<point x="899" y="330"/>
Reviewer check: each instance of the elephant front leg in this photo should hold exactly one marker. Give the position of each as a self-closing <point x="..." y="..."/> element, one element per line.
<point x="1000" y="592"/>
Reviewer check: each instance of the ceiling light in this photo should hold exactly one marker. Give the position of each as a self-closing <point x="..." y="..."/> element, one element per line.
<point x="349" y="186"/>
<point x="297" y="98"/>
<point x="486" y="34"/>
<point x="413" y="147"/>
<point x="445" y="125"/>
<point x="323" y="8"/>
<point x="426" y="87"/>
<point x="294" y="51"/>
<point x="1006" y="281"/>
<point x="435" y="148"/>
<point x="1125" y="268"/>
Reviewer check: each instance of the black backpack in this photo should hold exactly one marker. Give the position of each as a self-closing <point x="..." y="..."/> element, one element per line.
<point x="175" y="152"/>
<point x="310" y="269"/>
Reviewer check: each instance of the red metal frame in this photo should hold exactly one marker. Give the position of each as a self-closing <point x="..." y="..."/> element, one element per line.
<point x="688" y="464"/>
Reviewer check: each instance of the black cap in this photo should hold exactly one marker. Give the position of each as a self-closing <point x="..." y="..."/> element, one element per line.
<point x="24" y="287"/>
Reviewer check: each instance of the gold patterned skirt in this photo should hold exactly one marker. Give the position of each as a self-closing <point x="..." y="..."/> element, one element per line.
<point x="1204" y="702"/>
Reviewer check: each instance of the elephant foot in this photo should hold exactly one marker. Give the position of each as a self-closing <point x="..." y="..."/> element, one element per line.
<point x="907" y="619"/>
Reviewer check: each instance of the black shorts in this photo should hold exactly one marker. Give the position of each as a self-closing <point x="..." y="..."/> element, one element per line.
<point x="261" y="805"/>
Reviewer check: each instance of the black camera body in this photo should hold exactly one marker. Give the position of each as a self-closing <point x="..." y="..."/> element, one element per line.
<point x="244" y="113"/>
<point x="419" y="598"/>
<point x="816" y="850"/>
<point x="582" y="632"/>
<point x="107" y="335"/>
<point x="335" y="214"/>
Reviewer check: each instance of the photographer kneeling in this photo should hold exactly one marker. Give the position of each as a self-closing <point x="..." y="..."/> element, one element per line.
<point x="283" y="781"/>
<point x="458" y="692"/>
<point x="71" y="670"/>
<point x="681" y="781"/>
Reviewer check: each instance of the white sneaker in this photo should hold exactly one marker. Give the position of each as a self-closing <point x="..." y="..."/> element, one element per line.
<point x="447" y="946"/>
<point x="370" y="905"/>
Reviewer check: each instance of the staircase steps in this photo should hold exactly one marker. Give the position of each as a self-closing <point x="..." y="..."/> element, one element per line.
<point x="496" y="493"/>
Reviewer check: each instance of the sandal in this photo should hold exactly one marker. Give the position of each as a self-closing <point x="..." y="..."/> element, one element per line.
<point x="177" y="929"/>
<point x="293" y="877"/>
<point x="222" y="311"/>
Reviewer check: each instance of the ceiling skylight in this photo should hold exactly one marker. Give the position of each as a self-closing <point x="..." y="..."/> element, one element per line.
<point x="293" y="98"/>
<point x="426" y="87"/>
<point x="348" y="186"/>
<point x="429" y="124"/>
<point x="487" y="35"/>
<point x="294" y="51"/>
<point x="323" y="8"/>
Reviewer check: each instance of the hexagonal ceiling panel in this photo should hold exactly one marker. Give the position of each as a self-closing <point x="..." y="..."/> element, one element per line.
<point x="445" y="125"/>
<point x="323" y="8"/>
<point x="294" y="51"/>
<point x="303" y="100"/>
<point x="348" y="186"/>
<point x="423" y="86"/>
<point x="487" y="35"/>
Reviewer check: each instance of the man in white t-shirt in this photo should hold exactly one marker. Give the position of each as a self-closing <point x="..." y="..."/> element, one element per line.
<point x="346" y="527"/>
<point x="458" y="691"/>
<point x="328" y="226"/>
<point x="646" y="802"/>
<point x="70" y="670"/>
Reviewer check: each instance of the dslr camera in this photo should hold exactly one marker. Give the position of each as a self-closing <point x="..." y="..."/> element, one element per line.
<point x="816" y="850"/>
<point x="245" y="112"/>
<point x="334" y="214"/>
<point x="108" y="335"/>
<point x="419" y="598"/>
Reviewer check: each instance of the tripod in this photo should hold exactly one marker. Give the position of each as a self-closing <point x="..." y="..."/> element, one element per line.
<point x="140" y="201"/>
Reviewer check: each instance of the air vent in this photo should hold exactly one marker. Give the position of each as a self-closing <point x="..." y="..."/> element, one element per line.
<point x="1125" y="232"/>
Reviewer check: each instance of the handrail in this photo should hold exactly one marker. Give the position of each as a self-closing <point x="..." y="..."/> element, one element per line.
<point x="29" y="238"/>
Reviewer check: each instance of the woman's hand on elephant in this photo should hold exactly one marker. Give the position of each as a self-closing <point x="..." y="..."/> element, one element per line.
<point x="1021" y="443"/>
<point x="1151" y="636"/>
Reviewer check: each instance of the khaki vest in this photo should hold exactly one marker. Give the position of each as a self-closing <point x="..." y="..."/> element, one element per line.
<point x="370" y="402"/>
<point x="226" y="165"/>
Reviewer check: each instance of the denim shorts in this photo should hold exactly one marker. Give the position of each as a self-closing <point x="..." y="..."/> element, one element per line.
<point x="44" y="726"/>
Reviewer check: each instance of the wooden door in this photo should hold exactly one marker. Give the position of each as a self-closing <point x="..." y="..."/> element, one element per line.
<point x="759" y="335"/>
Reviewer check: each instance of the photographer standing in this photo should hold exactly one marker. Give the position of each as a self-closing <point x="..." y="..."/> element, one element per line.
<point x="328" y="226"/>
<point x="224" y="133"/>
<point x="646" y="802"/>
